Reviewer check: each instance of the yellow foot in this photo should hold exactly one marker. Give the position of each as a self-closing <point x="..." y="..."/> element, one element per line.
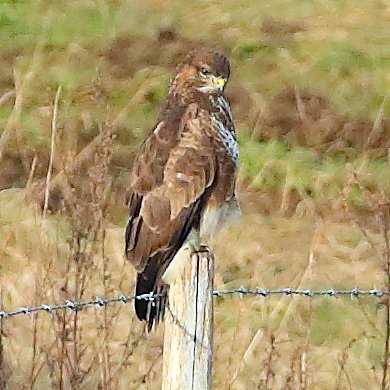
<point x="204" y="249"/>
<point x="194" y="248"/>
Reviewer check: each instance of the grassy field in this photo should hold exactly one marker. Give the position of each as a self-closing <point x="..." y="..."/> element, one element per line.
<point x="309" y="91"/>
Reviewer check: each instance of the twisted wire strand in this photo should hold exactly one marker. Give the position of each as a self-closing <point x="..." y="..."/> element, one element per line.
<point x="241" y="292"/>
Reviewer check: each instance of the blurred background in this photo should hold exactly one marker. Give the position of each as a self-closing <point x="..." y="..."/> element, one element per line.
<point x="81" y="84"/>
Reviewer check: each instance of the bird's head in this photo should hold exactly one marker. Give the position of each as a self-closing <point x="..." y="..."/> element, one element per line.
<point x="204" y="70"/>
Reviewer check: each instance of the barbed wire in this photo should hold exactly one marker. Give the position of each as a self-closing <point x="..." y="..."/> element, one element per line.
<point x="354" y="292"/>
<point x="241" y="292"/>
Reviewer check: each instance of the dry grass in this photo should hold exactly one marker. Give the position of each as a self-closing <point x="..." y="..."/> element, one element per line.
<point x="253" y="336"/>
<point x="310" y="77"/>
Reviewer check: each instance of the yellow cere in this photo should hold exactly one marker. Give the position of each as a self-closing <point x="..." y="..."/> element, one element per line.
<point x="219" y="82"/>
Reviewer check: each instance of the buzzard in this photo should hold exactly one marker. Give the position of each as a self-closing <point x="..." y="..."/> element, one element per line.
<point x="183" y="180"/>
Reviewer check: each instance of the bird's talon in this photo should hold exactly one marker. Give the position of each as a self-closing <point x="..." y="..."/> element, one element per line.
<point x="202" y="249"/>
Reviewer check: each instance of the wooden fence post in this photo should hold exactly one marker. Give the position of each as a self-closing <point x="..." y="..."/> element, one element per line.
<point x="188" y="334"/>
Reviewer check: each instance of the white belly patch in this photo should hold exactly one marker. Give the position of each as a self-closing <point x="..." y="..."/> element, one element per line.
<point x="214" y="219"/>
<point x="211" y="223"/>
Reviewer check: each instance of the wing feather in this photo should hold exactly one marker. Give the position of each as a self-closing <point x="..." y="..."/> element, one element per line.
<point x="171" y="176"/>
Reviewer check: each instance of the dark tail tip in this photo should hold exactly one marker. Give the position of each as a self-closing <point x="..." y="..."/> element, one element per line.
<point x="143" y="287"/>
<point x="150" y="311"/>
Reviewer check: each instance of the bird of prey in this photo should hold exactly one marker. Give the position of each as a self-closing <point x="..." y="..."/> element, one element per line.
<point x="183" y="180"/>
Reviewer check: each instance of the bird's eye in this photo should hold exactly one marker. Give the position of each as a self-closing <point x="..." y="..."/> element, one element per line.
<point x="204" y="72"/>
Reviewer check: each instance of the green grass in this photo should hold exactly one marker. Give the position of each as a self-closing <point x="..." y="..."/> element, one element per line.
<point x="309" y="59"/>
<point x="273" y="165"/>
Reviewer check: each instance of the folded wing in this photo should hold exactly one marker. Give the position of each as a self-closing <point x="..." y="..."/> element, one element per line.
<point x="172" y="178"/>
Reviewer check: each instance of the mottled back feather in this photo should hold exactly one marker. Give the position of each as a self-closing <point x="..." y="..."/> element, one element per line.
<point x="184" y="167"/>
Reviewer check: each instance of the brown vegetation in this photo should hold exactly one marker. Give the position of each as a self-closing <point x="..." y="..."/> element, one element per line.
<point x="305" y="118"/>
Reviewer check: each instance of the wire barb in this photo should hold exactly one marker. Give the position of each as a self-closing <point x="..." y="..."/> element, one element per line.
<point x="241" y="292"/>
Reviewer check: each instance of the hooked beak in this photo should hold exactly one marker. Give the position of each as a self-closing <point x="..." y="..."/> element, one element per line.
<point x="214" y="85"/>
<point x="218" y="82"/>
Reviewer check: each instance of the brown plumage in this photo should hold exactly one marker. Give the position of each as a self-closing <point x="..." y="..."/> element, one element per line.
<point x="183" y="179"/>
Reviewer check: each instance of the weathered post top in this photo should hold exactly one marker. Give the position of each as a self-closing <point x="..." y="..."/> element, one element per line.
<point x="188" y="334"/>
